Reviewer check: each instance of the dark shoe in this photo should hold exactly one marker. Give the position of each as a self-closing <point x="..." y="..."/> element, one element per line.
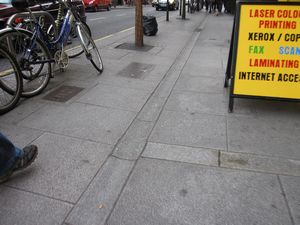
<point x="29" y="155"/>
<point x="5" y="177"/>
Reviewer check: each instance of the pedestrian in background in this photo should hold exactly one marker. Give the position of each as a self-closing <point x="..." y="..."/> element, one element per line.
<point x="13" y="159"/>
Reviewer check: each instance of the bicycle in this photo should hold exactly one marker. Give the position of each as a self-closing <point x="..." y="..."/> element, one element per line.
<point x="39" y="50"/>
<point x="53" y="26"/>
<point x="73" y="51"/>
<point x="10" y="81"/>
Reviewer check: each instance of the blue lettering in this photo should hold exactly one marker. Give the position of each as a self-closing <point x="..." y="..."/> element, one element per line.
<point x="287" y="50"/>
<point x="281" y="50"/>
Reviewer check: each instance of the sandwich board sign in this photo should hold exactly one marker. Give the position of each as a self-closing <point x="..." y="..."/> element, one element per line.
<point x="266" y="51"/>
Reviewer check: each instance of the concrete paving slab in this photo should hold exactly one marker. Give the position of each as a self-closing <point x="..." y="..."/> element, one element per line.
<point x="138" y="131"/>
<point x="292" y="191"/>
<point x="21" y="111"/>
<point x="260" y="163"/>
<point x="136" y="70"/>
<point x="80" y="69"/>
<point x="259" y="108"/>
<point x="170" y="78"/>
<point x="23" y="208"/>
<point x="147" y="58"/>
<point x="201" y="84"/>
<point x="165" y="87"/>
<point x="134" y="140"/>
<point x="83" y="121"/>
<point x="181" y="154"/>
<point x="263" y="136"/>
<point x="170" y="193"/>
<point x="206" y="71"/>
<point x="205" y="60"/>
<point x="216" y="43"/>
<point x="155" y="50"/>
<point x="124" y="82"/>
<point x="113" y="54"/>
<point x="63" y="168"/>
<point x="192" y="102"/>
<point x="112" y="41"/>
<point x="129" y="150"/>
<point x="190" y="129"/>
<point x="99" y="199"/>
<point x="59" y="78"/>
<point x="201" y="51"/>
<point x="151" y="109"/>
<point x="224" y="22"/>
<point x="116" y="97"/>
<point x="18" y="135"/>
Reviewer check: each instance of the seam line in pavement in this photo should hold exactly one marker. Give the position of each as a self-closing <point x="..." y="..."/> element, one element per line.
<point x="38" y="194"/>
<point x="187" y="146"/>
<point x="219" y="158"/>
<point x="226" y="132"/>
<point x="286" y="201"/>
<point x="120" y="158"/>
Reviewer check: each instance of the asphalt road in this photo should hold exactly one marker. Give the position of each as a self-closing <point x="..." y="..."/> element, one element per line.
<point x="105" y="23"/>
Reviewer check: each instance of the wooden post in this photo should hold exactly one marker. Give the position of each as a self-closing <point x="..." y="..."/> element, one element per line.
<point x="139" y="24"/>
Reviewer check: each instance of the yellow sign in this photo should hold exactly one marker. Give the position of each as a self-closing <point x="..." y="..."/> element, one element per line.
<point x="268" y="52"/>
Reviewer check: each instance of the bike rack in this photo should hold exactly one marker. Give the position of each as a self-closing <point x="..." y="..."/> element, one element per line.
<point x="25" y="15"/>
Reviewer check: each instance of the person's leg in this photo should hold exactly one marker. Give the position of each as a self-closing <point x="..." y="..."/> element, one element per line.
<point x="12" y="158"/>
<point x="8" y="155"/>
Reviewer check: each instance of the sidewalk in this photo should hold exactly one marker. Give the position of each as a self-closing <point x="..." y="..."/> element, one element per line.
<point x="151" y="142"/>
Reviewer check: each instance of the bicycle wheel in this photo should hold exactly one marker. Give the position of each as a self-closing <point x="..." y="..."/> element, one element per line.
<point x="73" y="47"/>
<point x="33" y="58"/>
<point x="89" y="47"/>
<point x="10" y="81"/>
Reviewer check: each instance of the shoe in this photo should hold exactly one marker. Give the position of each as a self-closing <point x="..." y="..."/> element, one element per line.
<point x="5" y="177"/>
<point x="29" y="154"/>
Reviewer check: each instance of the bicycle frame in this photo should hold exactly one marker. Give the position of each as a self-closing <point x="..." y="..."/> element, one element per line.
<point x="62" y="37"/>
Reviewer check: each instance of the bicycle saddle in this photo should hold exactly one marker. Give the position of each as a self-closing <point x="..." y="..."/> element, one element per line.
<point x="21" y="5"/>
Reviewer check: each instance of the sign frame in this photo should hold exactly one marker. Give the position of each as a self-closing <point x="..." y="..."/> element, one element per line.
<point x="231" y="65"/>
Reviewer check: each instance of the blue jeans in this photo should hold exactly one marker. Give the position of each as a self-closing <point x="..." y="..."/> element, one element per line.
<point x="8" y="155"/>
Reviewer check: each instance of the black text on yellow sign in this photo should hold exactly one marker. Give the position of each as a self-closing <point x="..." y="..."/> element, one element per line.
<point x="268" y="51"/>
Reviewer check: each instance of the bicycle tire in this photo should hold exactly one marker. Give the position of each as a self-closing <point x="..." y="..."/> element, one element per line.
<point x="90" y="48"/>
<point x="9" y="95"/>
<point x="36" y="68"/>
<point x="77" y="50"/>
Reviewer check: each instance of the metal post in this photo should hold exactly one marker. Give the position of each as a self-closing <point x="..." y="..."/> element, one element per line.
<point x="180" y="7"/>
<point x="167" y="10"/>
<point x="183" y="10"/>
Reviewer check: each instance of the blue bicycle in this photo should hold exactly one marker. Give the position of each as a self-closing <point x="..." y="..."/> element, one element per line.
<point x="36" y="50"/>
